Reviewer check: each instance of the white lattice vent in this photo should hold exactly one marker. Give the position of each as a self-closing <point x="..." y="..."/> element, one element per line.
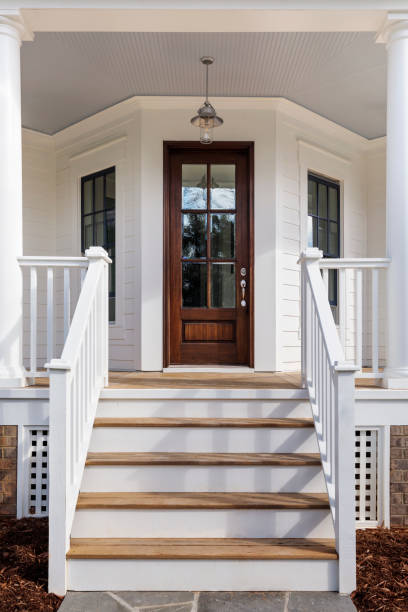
<point x="366" y="470"/>
<point x="37" y="471"/>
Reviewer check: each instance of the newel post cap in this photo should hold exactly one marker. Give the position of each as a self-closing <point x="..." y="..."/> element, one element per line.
<point x="310" y="254"/>
<point x="97" y="252"/>
<point x="58" y="364"/>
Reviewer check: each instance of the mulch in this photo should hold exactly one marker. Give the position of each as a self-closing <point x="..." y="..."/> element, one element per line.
<point x="24" y="566"/>
<point x="382" y="570"/>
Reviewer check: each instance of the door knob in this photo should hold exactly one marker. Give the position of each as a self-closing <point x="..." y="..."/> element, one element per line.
<point x="243" y="287"/>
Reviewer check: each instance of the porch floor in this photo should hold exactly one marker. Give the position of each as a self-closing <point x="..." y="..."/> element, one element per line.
<point x="207" y="380"/>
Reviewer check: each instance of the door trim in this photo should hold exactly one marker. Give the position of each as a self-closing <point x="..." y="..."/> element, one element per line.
<point x="168" y="148"/>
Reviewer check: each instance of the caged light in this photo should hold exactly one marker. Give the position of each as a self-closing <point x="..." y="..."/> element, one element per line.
<point x="206" y="118"/>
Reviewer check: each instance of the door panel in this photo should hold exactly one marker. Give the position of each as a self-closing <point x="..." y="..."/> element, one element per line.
<point x="207" y="254"/>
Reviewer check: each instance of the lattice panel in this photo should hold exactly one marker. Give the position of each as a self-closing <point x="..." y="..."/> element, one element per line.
<point x="37" y="498"/>
<point x="366" y="468"/>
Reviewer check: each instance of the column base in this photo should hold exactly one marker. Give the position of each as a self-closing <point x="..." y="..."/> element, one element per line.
<point x="395" y="378"/>
<point x="12" y="377"/>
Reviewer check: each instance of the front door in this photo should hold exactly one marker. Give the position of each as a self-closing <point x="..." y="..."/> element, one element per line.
<point x="208" y="258"/>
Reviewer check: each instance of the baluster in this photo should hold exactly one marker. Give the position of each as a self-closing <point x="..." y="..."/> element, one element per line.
<point x="82" y="275"/>
<point x="50" y="314"/>
<point x="67" y="302"/>
<point x="33" y="319"/>
<point x="342" y="301"/>
<point x="359" y="318"/>
<point x="374" y="322"/>
<point x="326" y="278"/>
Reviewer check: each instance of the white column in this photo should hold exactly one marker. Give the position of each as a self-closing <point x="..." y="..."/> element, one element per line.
<point x="395" y="35"/>
<point x="11" y="213"/>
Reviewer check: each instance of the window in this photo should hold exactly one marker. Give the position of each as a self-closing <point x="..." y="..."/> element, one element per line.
<point x="98" y="220"/>
<point x="323" y="224"/>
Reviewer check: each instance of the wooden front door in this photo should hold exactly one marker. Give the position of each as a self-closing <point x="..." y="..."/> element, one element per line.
<point x="208" y="253"/>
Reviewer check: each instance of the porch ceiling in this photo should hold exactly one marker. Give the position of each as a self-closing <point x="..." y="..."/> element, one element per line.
<point x="67" y="76"/>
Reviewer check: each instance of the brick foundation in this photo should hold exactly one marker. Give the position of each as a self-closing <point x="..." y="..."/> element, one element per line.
<point x="8" y="470"/>
<point x="399" y="475"/>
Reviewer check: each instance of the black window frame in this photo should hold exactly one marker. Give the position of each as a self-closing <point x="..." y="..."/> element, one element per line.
<point x="106" y="245"/>
<point x="320" y="180"/>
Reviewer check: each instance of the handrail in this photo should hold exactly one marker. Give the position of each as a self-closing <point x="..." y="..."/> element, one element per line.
<point x="47" y="270"/>
<point x="359" y="309"/>
<point x="76" y="381"/>
<point x="330" y="383"/>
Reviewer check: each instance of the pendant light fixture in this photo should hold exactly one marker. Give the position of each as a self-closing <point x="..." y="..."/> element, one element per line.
<point x="206" y="118"/>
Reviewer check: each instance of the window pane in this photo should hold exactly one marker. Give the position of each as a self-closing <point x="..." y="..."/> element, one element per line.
<point x="222" y="186"/>
<point x="110" y="187"/>
<point x="194" y="186"/>
<point x="315" y="237"/>
<point x="333" y="287"/>
<point x="194" y="281"/>
<point x="322" y="229"/>
<point x="194" y="235"/>
<point x="223" y="236"/>
<point x="87" y="203"/>
<point x="322" y="200"/>
<point x="312" y="197"/>
<point x="87" y="232"/>
<point x="223" y="285"/>
<point x="99" y="203"/>
<point x="333" y="204"/>
<point x="334" y="240"/>
<point x="310" y="232"/>
<point x="99" y="230"/>
<point x="110" y="228"/>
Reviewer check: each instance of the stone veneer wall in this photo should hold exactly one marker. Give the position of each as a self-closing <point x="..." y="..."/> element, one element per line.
<point x="399" y="475"/>
<point x="8" y="470"/>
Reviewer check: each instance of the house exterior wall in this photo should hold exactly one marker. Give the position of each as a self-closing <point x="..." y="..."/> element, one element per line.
<point x="289" y="141"/>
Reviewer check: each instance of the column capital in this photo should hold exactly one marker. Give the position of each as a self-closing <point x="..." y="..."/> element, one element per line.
<point x="12" y="23"/>
<point x="394" y="27"/>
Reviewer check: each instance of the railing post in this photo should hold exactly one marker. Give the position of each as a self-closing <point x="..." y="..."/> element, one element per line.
<point x="309" y="257"/>
<point x="58" y="475"/>
<point x="97" y="254"/>
<point x="345" y="528"/>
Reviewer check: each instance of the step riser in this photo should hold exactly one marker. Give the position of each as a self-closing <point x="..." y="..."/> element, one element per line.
<point x="187" y="575"/>
<point x="262" y="479"/>
<point x="215" y="440"/>
<point x="211" y="408"/>
<point x="202" y="524"/>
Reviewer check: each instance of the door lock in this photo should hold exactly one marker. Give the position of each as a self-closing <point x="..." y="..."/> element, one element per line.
<point x="243" y="287"/>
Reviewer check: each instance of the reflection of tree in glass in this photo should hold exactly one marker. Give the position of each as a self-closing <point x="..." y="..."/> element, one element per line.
<point x="194" y="235"/>
<point x="223" y="235"/>
<point x="222" y="197"/>
<point x="194" y="285"/>
<point x="193" y="197"/>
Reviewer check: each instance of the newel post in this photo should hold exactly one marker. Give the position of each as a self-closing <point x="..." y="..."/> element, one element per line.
<point x="344" y="431"/>
<point x="308" y="260"/>
<point x="59" y="474"/>
<point x="97" y="255"/>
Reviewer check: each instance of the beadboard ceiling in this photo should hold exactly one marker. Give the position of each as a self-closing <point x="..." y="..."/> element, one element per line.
<point x="67" y="76"/>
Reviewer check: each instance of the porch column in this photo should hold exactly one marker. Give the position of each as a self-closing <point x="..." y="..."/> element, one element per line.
<point x="11" y="213"/>
<point x="395" y="36"/>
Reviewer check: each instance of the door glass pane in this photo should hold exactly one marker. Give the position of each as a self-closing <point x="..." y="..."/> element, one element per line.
<point x="194" y="281"/>
<point x="223" y="285"/>
<point x="88" y="232"/>
<point x="333" y="240"/>
<point x="222" y="186"/>
<point x="194" y="186"/>
<point x="99" y="203"/>
<point x="194" y="232"/>
<point x="223" y="235"/>
<point x="322" y="235"/>
<point x="333" y="204"/>
<point x="87" y="204"/>
<point x="322" y="200"/>
<point x="312" y="198"/>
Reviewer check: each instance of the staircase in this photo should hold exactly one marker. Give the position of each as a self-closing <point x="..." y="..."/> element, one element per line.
<point x="203" y="490"/>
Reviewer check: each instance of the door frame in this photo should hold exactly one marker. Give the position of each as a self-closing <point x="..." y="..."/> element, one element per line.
<point x="169" y="147"/>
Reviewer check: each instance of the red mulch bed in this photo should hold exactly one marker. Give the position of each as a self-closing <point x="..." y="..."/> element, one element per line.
<point x="24" y="566"/>
<point x="382" y="570"/>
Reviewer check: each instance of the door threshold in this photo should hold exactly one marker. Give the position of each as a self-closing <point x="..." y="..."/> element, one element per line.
<point x="210" y="369"/>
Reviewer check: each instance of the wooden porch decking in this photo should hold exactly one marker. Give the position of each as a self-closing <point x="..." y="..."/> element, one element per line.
<point x="205" y="380"/>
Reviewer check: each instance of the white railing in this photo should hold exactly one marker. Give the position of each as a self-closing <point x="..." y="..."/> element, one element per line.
<point x="361" y="316"/>
<point x="44" y="275"/>
<point x="330" y="383"/>
<point x="76" y="380"/>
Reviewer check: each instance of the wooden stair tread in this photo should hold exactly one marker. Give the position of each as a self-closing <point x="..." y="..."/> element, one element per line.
<point x="184" y="501"/>
<point x="203" y="422"/>
<point x="202" y="548"/>
<point x="283" y="459"/>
